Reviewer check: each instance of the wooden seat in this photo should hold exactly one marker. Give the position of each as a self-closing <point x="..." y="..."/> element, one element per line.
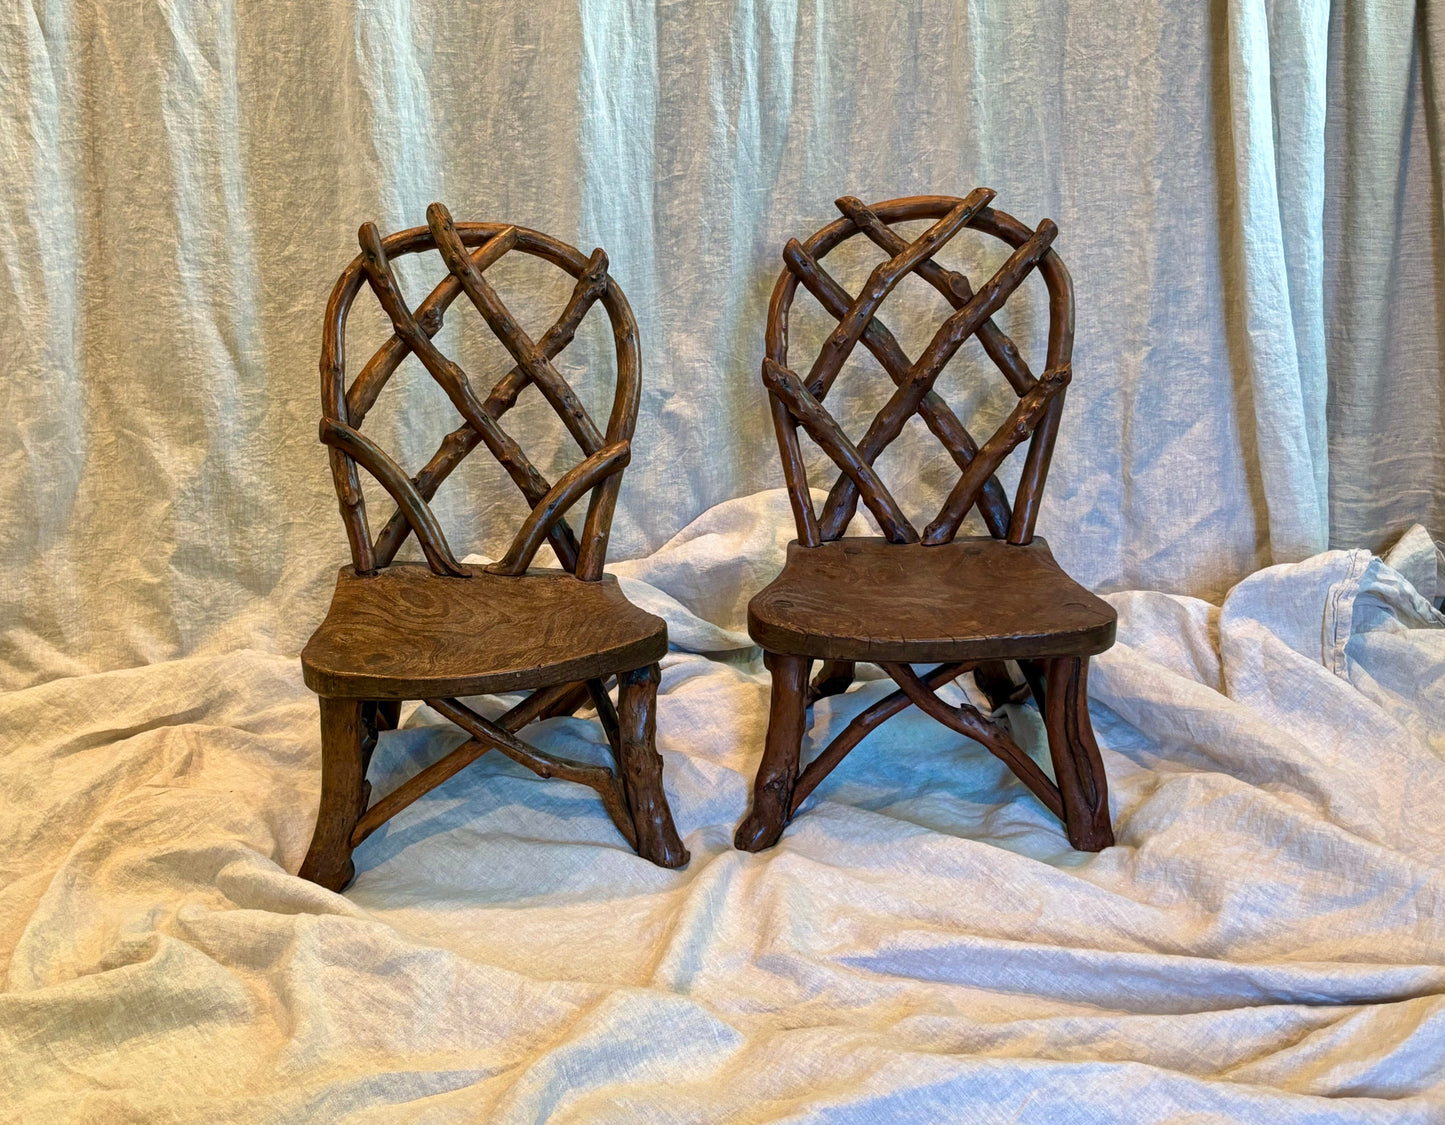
<point x="973" y="599"/>
<point x="491" y="633"/>
<point x="961" y="604"/>
<point x="398" y="631"/>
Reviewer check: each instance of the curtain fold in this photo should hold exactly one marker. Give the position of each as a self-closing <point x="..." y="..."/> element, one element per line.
<point x="1249" y="195"/>
<point x="1385" y="280"/>
<point x="1271" y="186"/>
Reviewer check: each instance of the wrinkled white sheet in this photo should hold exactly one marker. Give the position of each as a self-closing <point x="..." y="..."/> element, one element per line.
<point x="1265" y="943"/>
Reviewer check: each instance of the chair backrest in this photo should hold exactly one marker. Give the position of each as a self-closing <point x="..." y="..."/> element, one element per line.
<point x="468" y="250"/>
<point x="797" y="400"/>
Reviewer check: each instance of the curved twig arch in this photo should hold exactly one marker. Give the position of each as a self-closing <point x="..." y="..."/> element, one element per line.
<point x="469" y="249"/>
<point x="797" y="400"/>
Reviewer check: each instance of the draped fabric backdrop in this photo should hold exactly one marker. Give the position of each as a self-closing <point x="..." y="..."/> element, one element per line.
<point x="1249" y="194"/>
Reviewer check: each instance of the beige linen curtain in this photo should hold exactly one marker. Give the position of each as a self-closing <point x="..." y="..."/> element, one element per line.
<point x="1249" y="195"/>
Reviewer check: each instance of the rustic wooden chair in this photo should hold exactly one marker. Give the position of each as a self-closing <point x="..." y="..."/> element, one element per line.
<point x="959" y="603"/>
<point x="398" y="631"/>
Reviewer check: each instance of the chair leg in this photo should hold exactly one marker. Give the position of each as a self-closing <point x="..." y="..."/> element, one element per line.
<point x="388" y="714"/>
<point x="1034" y="672"/>
<point x="834" y="678"/>
<point x="778" y="771"/>
<point x="343" y="794"/>
<point x="1078" y="768"/>
<point x="993" y="679"/>
<point x="657" y="837"/>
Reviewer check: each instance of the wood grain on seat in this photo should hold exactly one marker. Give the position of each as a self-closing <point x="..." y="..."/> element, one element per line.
<point x="971" y="599"/>
<point x="405" y="633"/>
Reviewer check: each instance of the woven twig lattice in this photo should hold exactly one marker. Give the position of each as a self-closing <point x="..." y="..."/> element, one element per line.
<point x="468" y="250"/>
<point x="798" y="400"/>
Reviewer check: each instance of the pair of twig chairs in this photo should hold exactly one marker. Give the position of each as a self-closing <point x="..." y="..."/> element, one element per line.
<point x="439" y="631"/>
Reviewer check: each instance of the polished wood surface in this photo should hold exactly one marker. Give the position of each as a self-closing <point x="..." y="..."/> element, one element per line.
<point x="403" y="633"/>
<point x="974" y="598"/>
<point x="344" y="792"/>
<point x="1077" y="765"/>
<point x="398" y="631"/>
<point x="778" y="771"/>
<point x="962" y="604"/>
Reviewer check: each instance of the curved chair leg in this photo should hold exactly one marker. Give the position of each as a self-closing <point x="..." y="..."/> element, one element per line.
<point x="834" y="678"/>
<point x="343" y="794"/>
<point x="657" y="837"/>
<point x="1034" y="672"/>
<point x="993" y="679"/>
<point x="778" y="771"/>
<point x="1078" y="769"/>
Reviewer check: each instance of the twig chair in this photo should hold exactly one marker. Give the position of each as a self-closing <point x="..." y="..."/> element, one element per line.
<point x="958" y="603"/>
<point x="398" y="631"/>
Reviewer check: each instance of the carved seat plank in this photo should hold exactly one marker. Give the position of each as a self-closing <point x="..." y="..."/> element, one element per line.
<point x="962" y="604"/>
<point x="973" y="599"/>
<point x="398" y="631"/>
<point x="400" y="634"/>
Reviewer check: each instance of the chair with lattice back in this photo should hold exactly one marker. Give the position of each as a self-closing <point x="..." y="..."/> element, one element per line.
<point x="959" y="603"/>
<point x="398" y="631"/>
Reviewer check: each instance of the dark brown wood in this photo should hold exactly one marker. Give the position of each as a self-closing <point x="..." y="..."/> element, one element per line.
<point x="534" y="706"/>
<point x="905" y="401"/>
<point x="992" y="677"/>
<point x="371" y="457"/>
<point x="959" y="602"/>
<point x="657" y="837"/>
<point x="834" y="678"/>
<point x="373" y="266"/>
<point x="883" y="280"/>
<point x="388" y="714"/>
<point x="529" y="358"/>
<point x="778" y="771"/>
<point x="1036" y="469"/>
<point x="936" y="414"/>
<point x="570" y="487"/>
<point x="1034" y="672"/>
<point x="343" y="798"/>
<point x="606" y="715"/>
<point x="955" y="288"/>
<point x="1032" y="249"/>
<point x="370" y="734"/>
<point x="568" y="703"/>
<point x="600" y="778"/>
<point x="461" y="441"/>
<point x="597" y="528"/>
<point x="404" y="631"/>
<point x="977" y="598"/>
<point x="362" y="394"/>
<point x="810" y="414"/>
<point x="795" y="473"/>
<point x="447" y="373"/>
<point x="1016" y="427"/>
<point x="1077" y="765"/>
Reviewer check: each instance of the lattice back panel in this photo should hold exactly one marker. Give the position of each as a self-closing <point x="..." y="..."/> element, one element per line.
<point x="468" y="250"/>
<point x="797" y="399"/>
